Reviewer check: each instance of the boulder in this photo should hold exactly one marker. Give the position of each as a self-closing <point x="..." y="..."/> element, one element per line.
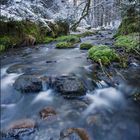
<point x="69" y="86"/>
<point x="28" y="84"/>
<point x="19" y="128"/>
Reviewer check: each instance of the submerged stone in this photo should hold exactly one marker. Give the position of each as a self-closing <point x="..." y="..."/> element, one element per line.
<point x="78" y="133"/>
<point x="47" y="113"/>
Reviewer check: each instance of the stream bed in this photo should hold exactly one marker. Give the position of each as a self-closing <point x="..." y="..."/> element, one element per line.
<point x="104" y="113"/>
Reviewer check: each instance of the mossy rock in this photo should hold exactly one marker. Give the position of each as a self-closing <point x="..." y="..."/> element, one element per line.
<point x="128" y="25"/>
<point x="130" y="43"/>
<point x="70" y="38"/>
<point x="85" y="46"/>
<point x="9" y="41"/>
<point x="64" y="45"/>
<point x="103" y="53"/>
<point x="59" y="28"/>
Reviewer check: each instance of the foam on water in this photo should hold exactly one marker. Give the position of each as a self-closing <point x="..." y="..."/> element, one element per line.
<point x="44" y="95"/>
<point x="109" y="98"/>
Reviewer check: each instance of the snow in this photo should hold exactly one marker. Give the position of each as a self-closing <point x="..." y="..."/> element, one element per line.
<point x="45" y="11"/>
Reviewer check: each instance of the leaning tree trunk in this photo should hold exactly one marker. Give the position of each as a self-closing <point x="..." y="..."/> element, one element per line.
<point x="85" y="12"/>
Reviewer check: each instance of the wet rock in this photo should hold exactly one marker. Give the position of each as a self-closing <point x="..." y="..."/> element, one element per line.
<point x="73" y="114"/>
<point x="69" y="86"/>
<point x="78" y="105"/>
<point x="80" y="132"/>
<point x="28" y="84"/>
<point x="20" y="128"/>
<point x="24" y="123"/>
<point x="53" y="61"/>
<point x="47" y="113"/>
<point x="17" y="68"/>
<point x="92" y="120"/>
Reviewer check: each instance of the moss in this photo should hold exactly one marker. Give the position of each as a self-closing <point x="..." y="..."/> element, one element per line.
<point x="87" y="33"/>
<point x="64" y="45"/>
<point x="2" y="48"/>
<point x="128" y="25"/>
<point x="129" y="42"/>
<point x="103" y="53"/>
<point x="70" y="38"/>
<point x="59" y="28"/>
<point x="5" y="40"/>
<point x="48" y="39"/>
<point x="85" y="46"/>
<point x="13" y="33"/>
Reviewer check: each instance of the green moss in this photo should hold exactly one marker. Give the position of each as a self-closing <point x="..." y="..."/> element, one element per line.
<point x="59" y="28"/>
<point x="129" y="42"/>
<point x="48" y="39"/>
<point x="85" y="46"/>
<point x="87" y="33"/>
<point x="70" y="38"/>
<point x="128" y="25"/>
<point x="2" y="48"/>
<point x="103" y="53"/>
<point x="5" y="40"/>
<point x="64" y="45"/>
<point x="13" y="33"/>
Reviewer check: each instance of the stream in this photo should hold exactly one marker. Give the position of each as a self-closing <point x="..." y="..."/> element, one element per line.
<point x="105" y="112"/>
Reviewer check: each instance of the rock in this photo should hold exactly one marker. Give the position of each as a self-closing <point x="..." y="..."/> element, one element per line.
<point x="83" y="135"/>
<point x="47" y="112"/>
<point x="28" y="84"/>
<point x="18" y="68"/>
<point x="20" y="128"/>
<point x="51" y="61"/>
<point x="69" y="86"/>
<point x="24" y="123"/>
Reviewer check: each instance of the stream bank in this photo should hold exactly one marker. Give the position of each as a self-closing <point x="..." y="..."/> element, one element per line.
<point x="103" y="112"/>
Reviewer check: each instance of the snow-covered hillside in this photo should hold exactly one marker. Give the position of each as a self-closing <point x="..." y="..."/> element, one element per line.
<point x="102" y="13"/>
<point x="37" y="10"/>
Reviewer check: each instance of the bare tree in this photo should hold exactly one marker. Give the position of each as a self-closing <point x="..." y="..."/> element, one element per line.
<point x="85" y="12"/>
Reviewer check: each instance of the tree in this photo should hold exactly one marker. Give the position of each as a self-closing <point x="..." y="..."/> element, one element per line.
<point x="85" y="12"/>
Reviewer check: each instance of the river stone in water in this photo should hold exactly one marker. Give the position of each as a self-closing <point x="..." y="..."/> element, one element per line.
<point x="20" y="128"/>
<point x="28" y="84"/>
<point x="76" y="133"/>
<point x="69" y="86"/>
<point x="47" y="112"/>
<point x="18" y="68"/>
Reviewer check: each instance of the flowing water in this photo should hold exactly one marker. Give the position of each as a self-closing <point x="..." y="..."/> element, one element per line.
<point x="105" y="112"/>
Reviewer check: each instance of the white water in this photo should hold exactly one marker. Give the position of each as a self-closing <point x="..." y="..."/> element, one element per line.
<point x="108" y="98"/>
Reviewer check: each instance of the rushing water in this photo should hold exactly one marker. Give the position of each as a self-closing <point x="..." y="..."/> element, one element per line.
<point x="105" y="112"/>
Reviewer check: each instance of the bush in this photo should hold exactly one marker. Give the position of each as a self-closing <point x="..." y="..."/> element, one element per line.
<point x="85" y="46"/>
<point x="128" y="42"/>
<point x="64" y="45"/>
<point x="103" y="54"/>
